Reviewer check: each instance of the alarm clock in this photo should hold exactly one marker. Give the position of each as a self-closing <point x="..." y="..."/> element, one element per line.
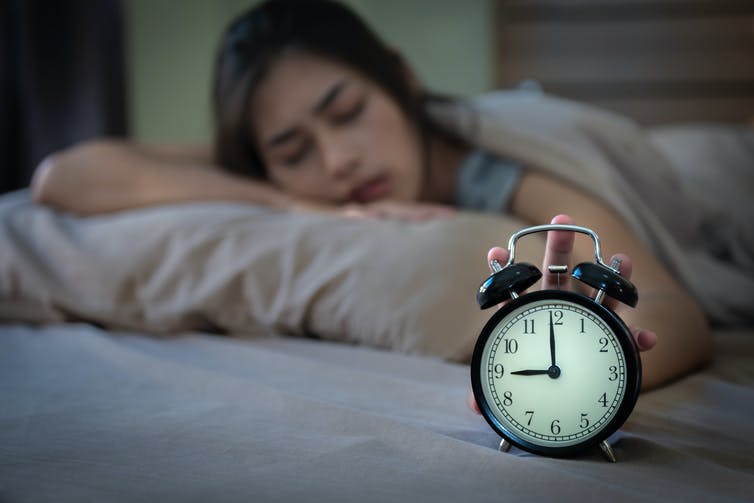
<point x="555" y="372"/>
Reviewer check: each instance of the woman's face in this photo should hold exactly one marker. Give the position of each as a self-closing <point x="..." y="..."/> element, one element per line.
<point x="329" y="134"/>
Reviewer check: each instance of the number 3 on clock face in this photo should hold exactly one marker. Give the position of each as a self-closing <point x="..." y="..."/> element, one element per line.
<point x="555" y="373"/>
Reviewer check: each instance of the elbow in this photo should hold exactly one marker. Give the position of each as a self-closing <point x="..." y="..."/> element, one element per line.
<point x="61" y="177"/>
<point x="43" y="181"/>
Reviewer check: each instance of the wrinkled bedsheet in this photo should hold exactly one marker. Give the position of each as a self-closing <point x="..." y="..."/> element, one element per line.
<point x="93" y="415"/>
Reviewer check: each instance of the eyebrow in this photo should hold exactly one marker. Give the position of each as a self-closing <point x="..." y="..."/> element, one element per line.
<point x="329" y="96"/>
<point x="317" y="109"/>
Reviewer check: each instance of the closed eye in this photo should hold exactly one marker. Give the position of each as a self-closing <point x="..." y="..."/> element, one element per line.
<point x="298" y="155"/>
<point x="351" y="113"/>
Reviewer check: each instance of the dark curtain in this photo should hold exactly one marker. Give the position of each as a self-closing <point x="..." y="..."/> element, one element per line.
<point x="61" y="79"/>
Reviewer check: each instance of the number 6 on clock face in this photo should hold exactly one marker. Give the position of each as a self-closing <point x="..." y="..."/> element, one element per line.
<point x="552" y="374"/>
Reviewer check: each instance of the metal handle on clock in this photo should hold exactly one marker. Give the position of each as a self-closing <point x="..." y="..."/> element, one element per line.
<point x="554" y="227"/>
<point x="606" y="279"/>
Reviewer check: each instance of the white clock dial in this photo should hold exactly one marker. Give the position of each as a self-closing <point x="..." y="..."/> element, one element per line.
<point x="553" y="373"/>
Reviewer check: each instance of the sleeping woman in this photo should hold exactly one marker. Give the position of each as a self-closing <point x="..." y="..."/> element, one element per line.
<point x="314" y="113"/>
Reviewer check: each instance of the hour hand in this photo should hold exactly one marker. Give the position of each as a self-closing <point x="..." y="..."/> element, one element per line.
<point x="553" y="372"/>
<point x="530" y="372"/>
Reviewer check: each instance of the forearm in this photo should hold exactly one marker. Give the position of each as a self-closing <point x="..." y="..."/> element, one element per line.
<point x="107" y="176"/>
<point x="664" y="307"/>
<point x="683" y="341"/>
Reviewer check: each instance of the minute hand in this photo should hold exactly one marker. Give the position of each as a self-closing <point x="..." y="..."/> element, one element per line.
<point x="552" y="341"/>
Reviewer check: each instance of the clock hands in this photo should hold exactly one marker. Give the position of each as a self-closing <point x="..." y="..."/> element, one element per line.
<point x="554" y="371"/>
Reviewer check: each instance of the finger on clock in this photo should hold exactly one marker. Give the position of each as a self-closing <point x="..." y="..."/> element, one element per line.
<point x="645" y="339"/>
<point x="558" y="251"/>
<point x="499" y="254"/>
<point x="471" y="402"/>
<point x="625" y="268"/>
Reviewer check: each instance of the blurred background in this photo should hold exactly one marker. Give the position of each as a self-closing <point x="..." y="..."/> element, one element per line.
<point x="76" y="69"/>
<point x="171" y="45"/>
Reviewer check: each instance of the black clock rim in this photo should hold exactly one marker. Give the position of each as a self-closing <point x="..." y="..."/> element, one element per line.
<point x="633" y="372"/>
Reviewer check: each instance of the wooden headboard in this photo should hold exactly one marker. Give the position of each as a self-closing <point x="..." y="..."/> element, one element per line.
<point x="657" y="61"/>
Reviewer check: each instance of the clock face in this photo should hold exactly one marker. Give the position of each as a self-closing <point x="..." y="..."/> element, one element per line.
<point x="555" y="372"/>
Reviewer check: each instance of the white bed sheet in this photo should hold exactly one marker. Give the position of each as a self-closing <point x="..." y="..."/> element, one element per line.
<point x="92" y="415"/>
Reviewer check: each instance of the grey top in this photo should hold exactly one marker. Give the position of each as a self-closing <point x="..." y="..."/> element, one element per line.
<point x="486" y="182"/>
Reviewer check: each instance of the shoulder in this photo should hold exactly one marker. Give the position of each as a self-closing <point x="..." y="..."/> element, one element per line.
<point x="531" y="111"/>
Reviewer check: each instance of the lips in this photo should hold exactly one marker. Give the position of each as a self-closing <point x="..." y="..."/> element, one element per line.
<point x="371" y="190"/>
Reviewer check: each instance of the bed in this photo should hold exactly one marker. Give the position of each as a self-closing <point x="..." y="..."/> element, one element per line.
<point x="95" y="415"/>
<point x="226" y="352"/>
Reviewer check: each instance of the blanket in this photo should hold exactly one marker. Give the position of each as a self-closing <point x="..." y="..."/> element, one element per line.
<point x="655" y="185"/>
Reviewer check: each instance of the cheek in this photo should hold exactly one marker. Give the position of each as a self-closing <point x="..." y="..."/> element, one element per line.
<point x="277" y="177"/>
<point x="306" y="182"/>
<point x="397" y="142"/>
<point x="293" y="181"/>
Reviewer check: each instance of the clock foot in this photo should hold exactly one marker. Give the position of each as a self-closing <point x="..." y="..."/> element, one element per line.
<point x="608" y="451"/>
<point x="504" y="446"/>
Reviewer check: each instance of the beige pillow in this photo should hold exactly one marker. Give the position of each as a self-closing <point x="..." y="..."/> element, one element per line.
<point x="242" y="269"/>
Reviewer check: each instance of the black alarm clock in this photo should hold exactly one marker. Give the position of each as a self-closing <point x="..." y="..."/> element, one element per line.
<point x="555" y="372"/>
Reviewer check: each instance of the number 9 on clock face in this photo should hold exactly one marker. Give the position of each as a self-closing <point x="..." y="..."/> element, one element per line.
<point x="554" y="373"/>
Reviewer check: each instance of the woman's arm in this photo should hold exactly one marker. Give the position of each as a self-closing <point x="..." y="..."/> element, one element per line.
<point x="105" y="175"/>
<point x="684" y="341"/>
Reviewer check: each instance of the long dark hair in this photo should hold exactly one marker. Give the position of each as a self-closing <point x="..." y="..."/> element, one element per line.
<point x="254" y="40"/>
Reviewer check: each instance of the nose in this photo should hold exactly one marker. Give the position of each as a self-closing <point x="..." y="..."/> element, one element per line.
<point x="339" y="156"/>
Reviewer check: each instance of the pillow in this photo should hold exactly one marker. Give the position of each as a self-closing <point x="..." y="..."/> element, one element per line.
<point x="242" y="269"/>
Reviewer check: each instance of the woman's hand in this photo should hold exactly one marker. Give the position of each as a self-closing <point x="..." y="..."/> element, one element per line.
<point x="559" y="250"/>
